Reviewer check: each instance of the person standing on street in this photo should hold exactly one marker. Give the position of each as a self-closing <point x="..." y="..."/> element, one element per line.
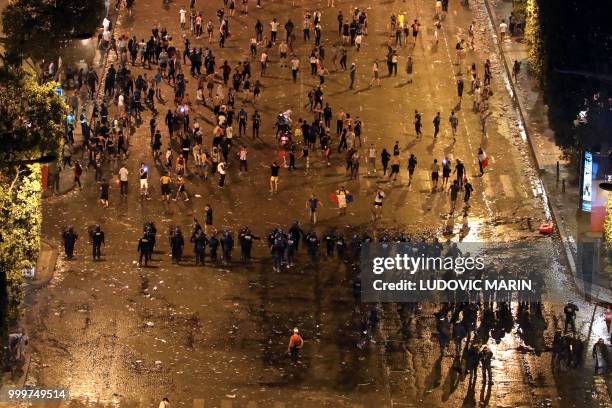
<point x="144" y="249"/>
<point x="123" y="180"/>
<point x="176" y="245"/>
<point x="143" y="174"/>
<point x="97" y="240"/>
<point x="352" y="74"/>
<point x="295" y="343"/>
<point x="274" y="170"/>
<point x="69" y="237"/>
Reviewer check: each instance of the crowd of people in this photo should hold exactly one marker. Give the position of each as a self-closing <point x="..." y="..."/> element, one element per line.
<point x="189" y="153"/>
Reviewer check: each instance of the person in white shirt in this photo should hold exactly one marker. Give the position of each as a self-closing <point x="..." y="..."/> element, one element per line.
<point x="165" y="403"/>
<point x="123" y="180"/>
<point x="273" y="30"/>
<point x="503" y="27"/>
<point x="183" y="18"/>
<point x="221" y="169"/>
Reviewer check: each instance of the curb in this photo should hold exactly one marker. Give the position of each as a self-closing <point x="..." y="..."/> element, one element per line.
<point x="45" y="267"/>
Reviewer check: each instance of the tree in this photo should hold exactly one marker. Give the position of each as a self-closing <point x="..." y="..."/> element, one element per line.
<point x="38" y="28"/>
<point x="32" y="116"/>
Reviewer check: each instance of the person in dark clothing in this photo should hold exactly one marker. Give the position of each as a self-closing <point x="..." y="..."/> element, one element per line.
<point x="199" y="240"/>
<point x="570" y="310"/>
<point x="385" y="157"/>
<point x="246" y="244"/>
<point x="312" y="244"/>
<point x="176" y="245"/>
<point x="330" y="243"/>
<point x="486" y="356"/>
<point x="144" y="249"/>
<point x="69" y="237"/>
<point x="214" y="246"/>
<point x="227" y="244"/>
<point x="472" y="357"/>
<point x="97" y="240"/>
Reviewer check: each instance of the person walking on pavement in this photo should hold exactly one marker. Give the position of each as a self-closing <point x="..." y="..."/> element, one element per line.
<point x="412" y="163"/>
<point x="570" y="310"/>
<point x="97" y="240"/>
<point x="352" y="74"/>
<point x="608" y="319"/>
<point x="342" y="197"/>
<point x="454" y="123"/>
<point x="486" y="356"/>
<point x="600" y="355"/>
<point x="435" y="172"/>
<point x="312" y="204"/>
<point x="104" y="188"/>
<point x="468" y="189"/>
<point x="295" y="343"/>
<point x="483" y="162"/>
<point x="69" y="237"/>
<point x="436" y="124"/>
<point x="378" y="204"/>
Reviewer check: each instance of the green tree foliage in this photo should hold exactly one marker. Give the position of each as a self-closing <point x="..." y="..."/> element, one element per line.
<point x="20" y="195"/>
<point x="32" y="116"/>
<point x="533" y="36"/>
<point x="38" y="28"/>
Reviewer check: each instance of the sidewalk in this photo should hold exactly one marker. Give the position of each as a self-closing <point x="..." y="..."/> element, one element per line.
<point x="558" y="177"/>
<point x="561" y="189"/>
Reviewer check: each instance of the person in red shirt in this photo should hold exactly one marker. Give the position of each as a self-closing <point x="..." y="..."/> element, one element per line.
<point x="295" y="343"/>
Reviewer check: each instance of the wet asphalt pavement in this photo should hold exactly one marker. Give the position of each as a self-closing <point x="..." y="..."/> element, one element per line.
<point x="117" y="334"/>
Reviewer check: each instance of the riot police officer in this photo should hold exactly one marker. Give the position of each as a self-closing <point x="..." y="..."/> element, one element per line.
<point x="227" y="244"/>
<point x="144" y="249"/>
<point x="176" y="245"/>
<point x="312" y="244"/>
<point x="330" y="242"/>
<point x="214" y="246"/>
<point x="70" y="238"/>
<point x="199" y="244"/>
<point x="97" y="240"/>
<point x="246" y="244"/>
